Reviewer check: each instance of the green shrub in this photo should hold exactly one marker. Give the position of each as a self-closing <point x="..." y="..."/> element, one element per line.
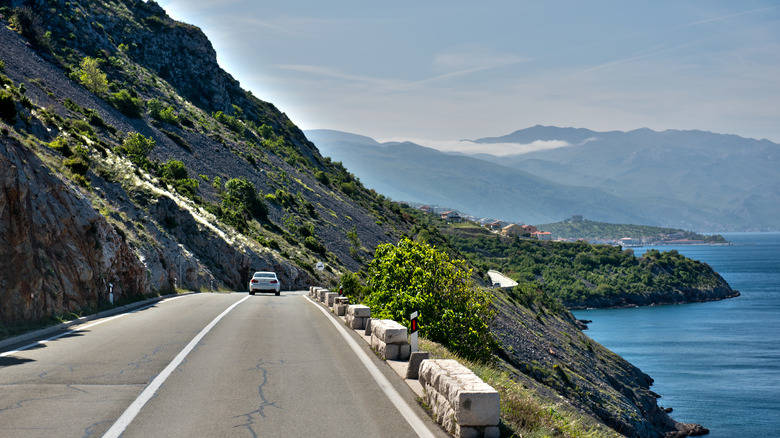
<point x="322" y="177"/>
<point x="173" y="170"/>
<point x="78" y="163"/>
<point x="231" y="122"/>
<point x="137" y="148"/>
<point x="417" y="277"/>
<point x="240" y="194"/>
<point x="128" y="105"/>
<point x="314" y="245"/>
<point x="60" y="145"/>
<point x="349" y="188"/>
<point x="161" y="112"/>
<point x="353" y="288"/>
<point x="7" y="107"/>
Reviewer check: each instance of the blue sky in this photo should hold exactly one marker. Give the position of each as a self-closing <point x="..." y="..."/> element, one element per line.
<point x="441" y="70"/>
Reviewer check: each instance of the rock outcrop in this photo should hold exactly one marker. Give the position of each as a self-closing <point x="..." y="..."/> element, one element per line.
<point x="553" y="354"/>
<point x="58" y="255"/>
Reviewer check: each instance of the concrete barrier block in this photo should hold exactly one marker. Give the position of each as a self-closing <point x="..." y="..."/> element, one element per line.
<point x="329" y="297"/>
<point x="367" y="325"/>
<point x="359" y="311"/>
<point x="321" y="295"/>
<point x="340" y="309"/>
<point x="384" y="350"/>
<point x="477" y="408"/>
<point x="391" y="332"/>
<point x="415" y="359"/>
<point x="405" y="351"/>
<point x="356" y="323"/>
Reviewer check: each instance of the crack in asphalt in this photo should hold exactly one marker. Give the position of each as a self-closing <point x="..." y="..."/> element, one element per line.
<point x="91" y="430"/>
<point x="147" y="358"/>
<point x="252" y="417"/>
<point x="21" y="403"/>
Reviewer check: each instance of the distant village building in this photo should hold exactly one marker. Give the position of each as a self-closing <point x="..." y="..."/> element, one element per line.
<point x="496" y="225"/>
<point x="426" y="209"/>
<point x="451" y="216"/>
<point x="528" y="230"/>
<point x="512" y="230"/>
<point x="629" y="241"/>
<point x="542" y="235"/>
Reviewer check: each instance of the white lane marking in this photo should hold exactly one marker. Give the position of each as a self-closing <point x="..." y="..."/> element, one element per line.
<point x="84" y="327"/>
<point x="403" y="407"/>
<point x="130" y="413"/>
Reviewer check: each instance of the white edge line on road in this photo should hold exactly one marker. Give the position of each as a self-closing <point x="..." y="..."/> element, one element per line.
<point x="403" y="407"/>
<point x="80" y="328"/>
<point x="130" y="413"/>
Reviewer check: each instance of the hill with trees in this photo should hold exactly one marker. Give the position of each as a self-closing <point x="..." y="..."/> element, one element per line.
<point x="582" y="275"/>
<point x="592" y="230"/>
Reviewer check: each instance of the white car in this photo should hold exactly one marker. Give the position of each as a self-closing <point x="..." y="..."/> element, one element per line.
<point x="264" y="281"/>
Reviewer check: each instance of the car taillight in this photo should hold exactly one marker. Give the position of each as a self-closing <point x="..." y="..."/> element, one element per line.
<point x="273" y="281"/>
<point x="253" y="281"/>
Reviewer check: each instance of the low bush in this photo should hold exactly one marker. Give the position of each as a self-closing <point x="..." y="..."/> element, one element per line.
<point x="417" y="277"/>
<point x="127" y="104"/>
<point x="7" y="107"/>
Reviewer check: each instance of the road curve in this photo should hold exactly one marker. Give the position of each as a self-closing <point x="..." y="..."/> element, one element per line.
<point x="269" y="367"/>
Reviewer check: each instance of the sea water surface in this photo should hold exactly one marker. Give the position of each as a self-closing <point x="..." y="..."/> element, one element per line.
<point x="715" y="363"/>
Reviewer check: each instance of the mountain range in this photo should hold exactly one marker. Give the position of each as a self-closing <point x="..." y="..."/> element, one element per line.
<point x="692" y="180"/>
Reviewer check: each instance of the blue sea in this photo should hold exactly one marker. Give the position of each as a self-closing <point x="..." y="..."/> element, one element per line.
<point x="716" y="363"/>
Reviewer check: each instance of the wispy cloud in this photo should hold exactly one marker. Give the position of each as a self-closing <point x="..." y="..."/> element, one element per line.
<point x="449" y="65"/>
<point x="727" y="17"/>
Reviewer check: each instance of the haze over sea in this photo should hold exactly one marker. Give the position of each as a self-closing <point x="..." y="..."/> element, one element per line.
<point x="716" y="363"/>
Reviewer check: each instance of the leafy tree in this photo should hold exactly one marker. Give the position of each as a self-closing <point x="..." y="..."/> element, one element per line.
<point x="353" y="288"/>
<point x="354" y="240"/>
<point x="417" y="277"/>
<point x="92" y="77"/>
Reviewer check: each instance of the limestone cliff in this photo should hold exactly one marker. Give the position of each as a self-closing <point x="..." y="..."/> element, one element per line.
<point x="58" y="255"/>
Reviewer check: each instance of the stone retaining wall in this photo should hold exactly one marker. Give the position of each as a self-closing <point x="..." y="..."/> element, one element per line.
<point x="462" y="403"/>
<point x="389" y="340"/>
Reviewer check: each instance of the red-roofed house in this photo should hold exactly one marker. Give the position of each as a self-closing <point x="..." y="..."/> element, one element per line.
<point x="542" y="235"/>
<point x="451" y="216"/>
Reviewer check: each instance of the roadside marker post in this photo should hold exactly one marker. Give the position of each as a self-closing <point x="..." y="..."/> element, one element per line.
<point x="414" y="332"/>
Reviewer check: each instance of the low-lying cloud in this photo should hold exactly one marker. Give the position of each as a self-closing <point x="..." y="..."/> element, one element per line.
<point x="498" y="149"/>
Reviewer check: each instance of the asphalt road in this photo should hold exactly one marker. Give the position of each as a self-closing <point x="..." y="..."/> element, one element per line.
<point x="207" y="365"/>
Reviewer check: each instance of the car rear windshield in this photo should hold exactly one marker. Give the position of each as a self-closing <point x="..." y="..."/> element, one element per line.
<point x="265" y="275"/>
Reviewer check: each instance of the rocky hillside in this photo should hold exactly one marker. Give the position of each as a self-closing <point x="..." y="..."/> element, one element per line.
<point x="553" y="356"/>
<point x="67" y="137"/>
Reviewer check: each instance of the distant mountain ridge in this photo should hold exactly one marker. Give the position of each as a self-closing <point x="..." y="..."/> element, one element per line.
<point x="410" y="172"/>
<point x="691" y="180"/>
